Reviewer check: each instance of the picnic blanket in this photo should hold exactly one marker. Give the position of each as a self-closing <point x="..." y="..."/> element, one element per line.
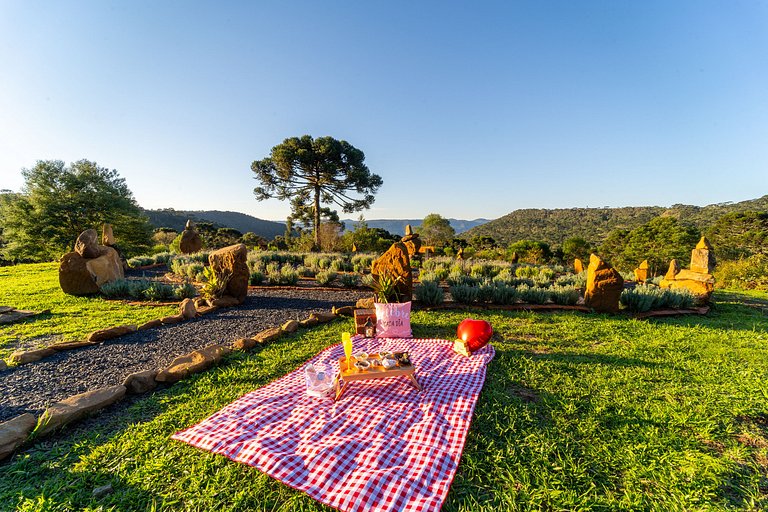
<point x="384" y="446"/>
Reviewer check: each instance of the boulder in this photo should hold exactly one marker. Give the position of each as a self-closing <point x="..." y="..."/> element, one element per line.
<point x="703" y="257"/>
<point x="230" y="263"/>
<point x="641" y="272"/>
<point x="74" y="276"/>
<point x="344" y="310"/>
<point x="223" y="302"/>
<point x="309" y="322"/>
<point x="87" y="244"/>
<point x="172" y="319"/>
<point x="215" y="352"/>
<point x="290" y="326"/>
<point x="112" y="332"/>
<point x="140" y="382"/>
<point x="206" y="309"/>
<point x="14" y="432"/>
<point x="3" y="365"/>
<point x="183" y="366"/>
<point x="201" y="302"/>
<point x="244" y="344"/>
<point x="30" y="356"/>
<point x="268" y="335"/>
<point x="157" y="322"/>
<point x="71" y="345"/>
<point x="365" y="303"/>
<point x="77" y="406"/>
<point x="700" y="284"/>
<point x="187" y="309"/>
<point x="107" y="235"/>
<point x="395" y="264"/>
<point x="674" y="268"/>
<point x="411" y="241"/>
<point x="107" y="267"/>
<point x="578" y="266"/>
<point x="323" y="317"/>
<point x="190" y="240"/>
<point x="604" y="286"/>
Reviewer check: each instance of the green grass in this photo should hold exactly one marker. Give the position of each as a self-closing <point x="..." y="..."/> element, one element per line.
<point x="36" y="287"/>
<point x="578" y="412"/>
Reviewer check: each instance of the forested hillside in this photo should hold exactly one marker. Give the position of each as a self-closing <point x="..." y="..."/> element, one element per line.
<point x="594" y="224"/>
<point x="397" y="226"/>
<point x="176" y="219"/>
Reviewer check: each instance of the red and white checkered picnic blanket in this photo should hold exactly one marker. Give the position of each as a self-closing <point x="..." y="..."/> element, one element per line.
<point x="384" y="446"/>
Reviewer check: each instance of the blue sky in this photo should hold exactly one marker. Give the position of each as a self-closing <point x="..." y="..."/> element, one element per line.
<point x="466" y="109"/>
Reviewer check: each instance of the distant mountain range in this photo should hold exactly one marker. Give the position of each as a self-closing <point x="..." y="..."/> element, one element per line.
<point x="594" y="224"/>
<point x="177" y="219"/>
<point x="397" y="226"/>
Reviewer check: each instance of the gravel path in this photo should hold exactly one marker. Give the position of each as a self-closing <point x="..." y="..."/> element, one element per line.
<point x="31" y="387"/>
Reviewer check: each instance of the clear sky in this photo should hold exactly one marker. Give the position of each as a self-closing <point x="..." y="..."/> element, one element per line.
<point x="467" y="109"/>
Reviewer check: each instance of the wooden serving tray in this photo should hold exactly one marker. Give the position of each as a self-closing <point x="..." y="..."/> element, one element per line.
<point x="347" y="375"/>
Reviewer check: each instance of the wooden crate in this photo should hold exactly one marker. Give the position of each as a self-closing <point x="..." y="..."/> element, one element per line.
<point x="362" y="316"/>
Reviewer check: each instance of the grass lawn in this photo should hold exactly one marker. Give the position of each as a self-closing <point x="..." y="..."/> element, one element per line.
<point x="36" y="287"/>
<point x="579" y="412"/>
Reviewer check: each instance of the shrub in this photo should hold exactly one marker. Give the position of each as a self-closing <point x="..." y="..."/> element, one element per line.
<point x="533" y="294"/>
<point x="214" y="286"/>
<point x="679" y="299"/>
<point x="745" y="274"/>
<point x="546" y="274"/>
<point x="485" y="291"/>
<point x="460" y="279"/>
<point x="305" y="271"/>
<point x="325" y="278"/>
<point x="441" y="273"/>
<point x="504" y="294"/>
<point x="349" y="280"/>
<point x="340" y="265"/>
<point x="464" y="294"/>
<point x="256" y="278"/>
<point x="158" y="291"/>
<point x="288" y="276"/>
<point x="426" y="275"/>
<point x="139" y="261"/>
<point x="564" y="295"/>
<point x="162" y="257"/>
<point x="185" y="291"/>
<point x="195" y="271"/>
<point x="527" y="271"/>
<point x="429" y="293"/>
<point x="116" y="289"/>
<point x="644" y="298"/>
<point x="575" y="280"/>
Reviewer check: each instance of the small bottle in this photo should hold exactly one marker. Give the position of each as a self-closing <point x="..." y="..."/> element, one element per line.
<point x="370" y="329"/>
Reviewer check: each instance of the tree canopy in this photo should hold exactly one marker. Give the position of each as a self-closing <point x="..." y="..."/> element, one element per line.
<point x="436" y="230"/>
<point x="739" y="235"/>
<point x="658" y="241"/>
<point x="310" y="172"/>
<point x="58" y="202"/>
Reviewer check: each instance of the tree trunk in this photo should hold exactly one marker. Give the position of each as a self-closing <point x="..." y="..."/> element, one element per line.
<point x="317" y="217"/>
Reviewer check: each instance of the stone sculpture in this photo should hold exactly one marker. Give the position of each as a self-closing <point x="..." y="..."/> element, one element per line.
<point x="604" y="286"/>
